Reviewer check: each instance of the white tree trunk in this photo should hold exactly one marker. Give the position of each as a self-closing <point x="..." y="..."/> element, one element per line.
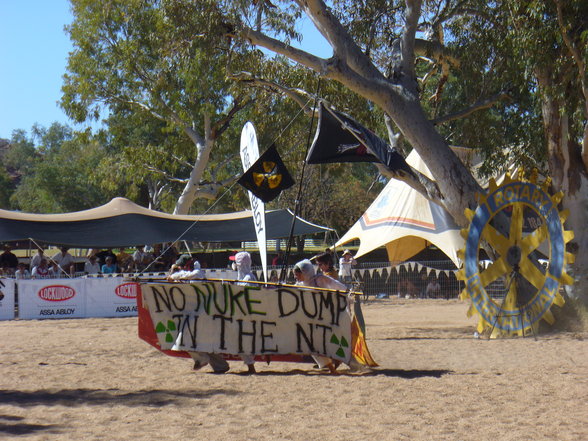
<point x="203" y="148"/>
<point x="456" y="183"/>
<point x="578" y="206"/>
<point x="569" y="175"/>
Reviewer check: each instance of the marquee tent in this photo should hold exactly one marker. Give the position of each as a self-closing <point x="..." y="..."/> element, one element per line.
<point x="123" y="223"/>
<point x="405" y="222"/>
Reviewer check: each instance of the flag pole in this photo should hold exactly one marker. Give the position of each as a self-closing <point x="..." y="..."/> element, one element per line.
<point x="283" y="271"/>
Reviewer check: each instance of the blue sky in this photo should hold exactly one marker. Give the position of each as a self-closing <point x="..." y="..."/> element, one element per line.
<point x="34" y="50"/>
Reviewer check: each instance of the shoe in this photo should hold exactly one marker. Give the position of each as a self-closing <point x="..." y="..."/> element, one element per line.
<point x="199" y="365"/>
<point x="332" y="368"/>
<point x="221" y="371"/>
<point x="251" y="369"/>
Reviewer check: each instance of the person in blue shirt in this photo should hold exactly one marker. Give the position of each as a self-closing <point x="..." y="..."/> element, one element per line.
<point x="109" y="266"/>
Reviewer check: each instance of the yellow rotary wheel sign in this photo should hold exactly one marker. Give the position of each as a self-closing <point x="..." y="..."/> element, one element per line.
<point x="514" y="220"/>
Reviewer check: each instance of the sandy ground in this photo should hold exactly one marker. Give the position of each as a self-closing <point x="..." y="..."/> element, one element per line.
<point x="93" y="379"/>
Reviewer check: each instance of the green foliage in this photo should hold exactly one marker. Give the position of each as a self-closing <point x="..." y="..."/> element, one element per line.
<point x="132" y="53"/>
<point x="6" y="189"/>
<point x="60" y="178"/>
<point x="158" y="67"/>
<point x="21" y="154"/>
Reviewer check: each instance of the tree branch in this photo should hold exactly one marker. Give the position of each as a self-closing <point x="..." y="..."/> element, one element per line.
<point x="413" y="12"/>
<point x="435" y="50"/>
<point x="311" y="61"/>
<point x="293" y="93"/>
<point x="334" y="68"/>
<point x="182" y="161"/>
<point x="482" y="104"/>
<point x="165" y="174"/>
<point x="344" y="47"/>
<point x="418" y="181"/>
<point x="219" y="127"/>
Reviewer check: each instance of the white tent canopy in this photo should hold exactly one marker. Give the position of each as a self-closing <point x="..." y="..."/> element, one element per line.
<point x="405" y="222"/>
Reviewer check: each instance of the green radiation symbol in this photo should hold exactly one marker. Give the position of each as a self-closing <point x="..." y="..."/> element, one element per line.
<point x="341" y="343"/>
<point x="171" y="326"/>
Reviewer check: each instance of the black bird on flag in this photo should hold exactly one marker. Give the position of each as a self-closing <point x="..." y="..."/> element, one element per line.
<point x="268" y="176"/>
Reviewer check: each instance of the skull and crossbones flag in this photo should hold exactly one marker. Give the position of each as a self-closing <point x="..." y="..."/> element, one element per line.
<point x="268" y="176"/>
<point x="339" y="138"/>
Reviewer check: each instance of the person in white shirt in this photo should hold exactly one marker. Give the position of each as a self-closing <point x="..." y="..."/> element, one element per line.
<point x="181" y="271"/>
<point x="184" y="272"/>
<point x="139" y="258"/>
<point x="345" y="264"/>
<point x="65" y="261"/>
<point x="92" y="266"/>
<point x="36" y="259"/>
<point x="22" y="272"/>
<point x="41" y="271"/>
<point x="244" y="274"/>
<point x="433" y="290"/>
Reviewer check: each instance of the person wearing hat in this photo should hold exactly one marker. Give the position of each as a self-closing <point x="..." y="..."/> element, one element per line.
<point x="185" y="261"/>
<point x="186" y="268"/>
<point x="109" y="266"/>
<point x="345" y="264"/>
<point x="243" y="266"/>
<point x="242" y="263"/>
<point x="8" y="261"/>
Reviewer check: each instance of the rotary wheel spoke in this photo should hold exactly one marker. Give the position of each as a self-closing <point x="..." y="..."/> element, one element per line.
<point x="516" y="225"/>
<point x="536" y="238"/>
<point x="532" y="273"/>
<point x="493" y="272"/>
<point x="499" y="242"/>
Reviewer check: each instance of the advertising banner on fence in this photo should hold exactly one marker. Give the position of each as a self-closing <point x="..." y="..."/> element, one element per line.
<point x="111" y="297"/>
<point x="232" y="319"/>
<point x="6" y="299"/>
<point x="51" y="298"/>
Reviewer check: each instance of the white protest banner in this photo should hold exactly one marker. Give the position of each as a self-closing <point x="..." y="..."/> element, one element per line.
<point x="6" y="299"/>
<point x="232" y="319"/>
<point x="111" y="297"/>
<point x="51" y="298"/>
<point x="250" y="154"/>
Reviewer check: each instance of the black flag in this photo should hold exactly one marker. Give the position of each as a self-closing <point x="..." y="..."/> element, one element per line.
<point x="339" y="138"/>
<point x="268" y="176"/>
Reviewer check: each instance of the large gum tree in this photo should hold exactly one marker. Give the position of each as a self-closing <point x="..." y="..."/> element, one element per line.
<point x="135" y="57"/>
<point x="444" y="72"/>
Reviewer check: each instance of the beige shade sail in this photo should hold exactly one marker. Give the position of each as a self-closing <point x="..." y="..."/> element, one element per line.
<point x="405" y="222"/>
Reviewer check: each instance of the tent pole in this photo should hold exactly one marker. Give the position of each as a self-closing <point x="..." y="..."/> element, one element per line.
<point x="187" y="247"/>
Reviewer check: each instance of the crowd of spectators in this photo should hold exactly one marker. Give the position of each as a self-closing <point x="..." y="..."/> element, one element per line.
<point x="106" y="261"/>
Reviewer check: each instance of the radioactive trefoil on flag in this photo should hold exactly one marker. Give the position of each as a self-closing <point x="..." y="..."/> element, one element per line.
<point x="268" y="176"/>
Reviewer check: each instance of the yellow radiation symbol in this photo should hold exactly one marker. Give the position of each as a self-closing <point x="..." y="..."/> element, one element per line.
<point x="515" y="287"/>
<point x="270" y="175"/>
